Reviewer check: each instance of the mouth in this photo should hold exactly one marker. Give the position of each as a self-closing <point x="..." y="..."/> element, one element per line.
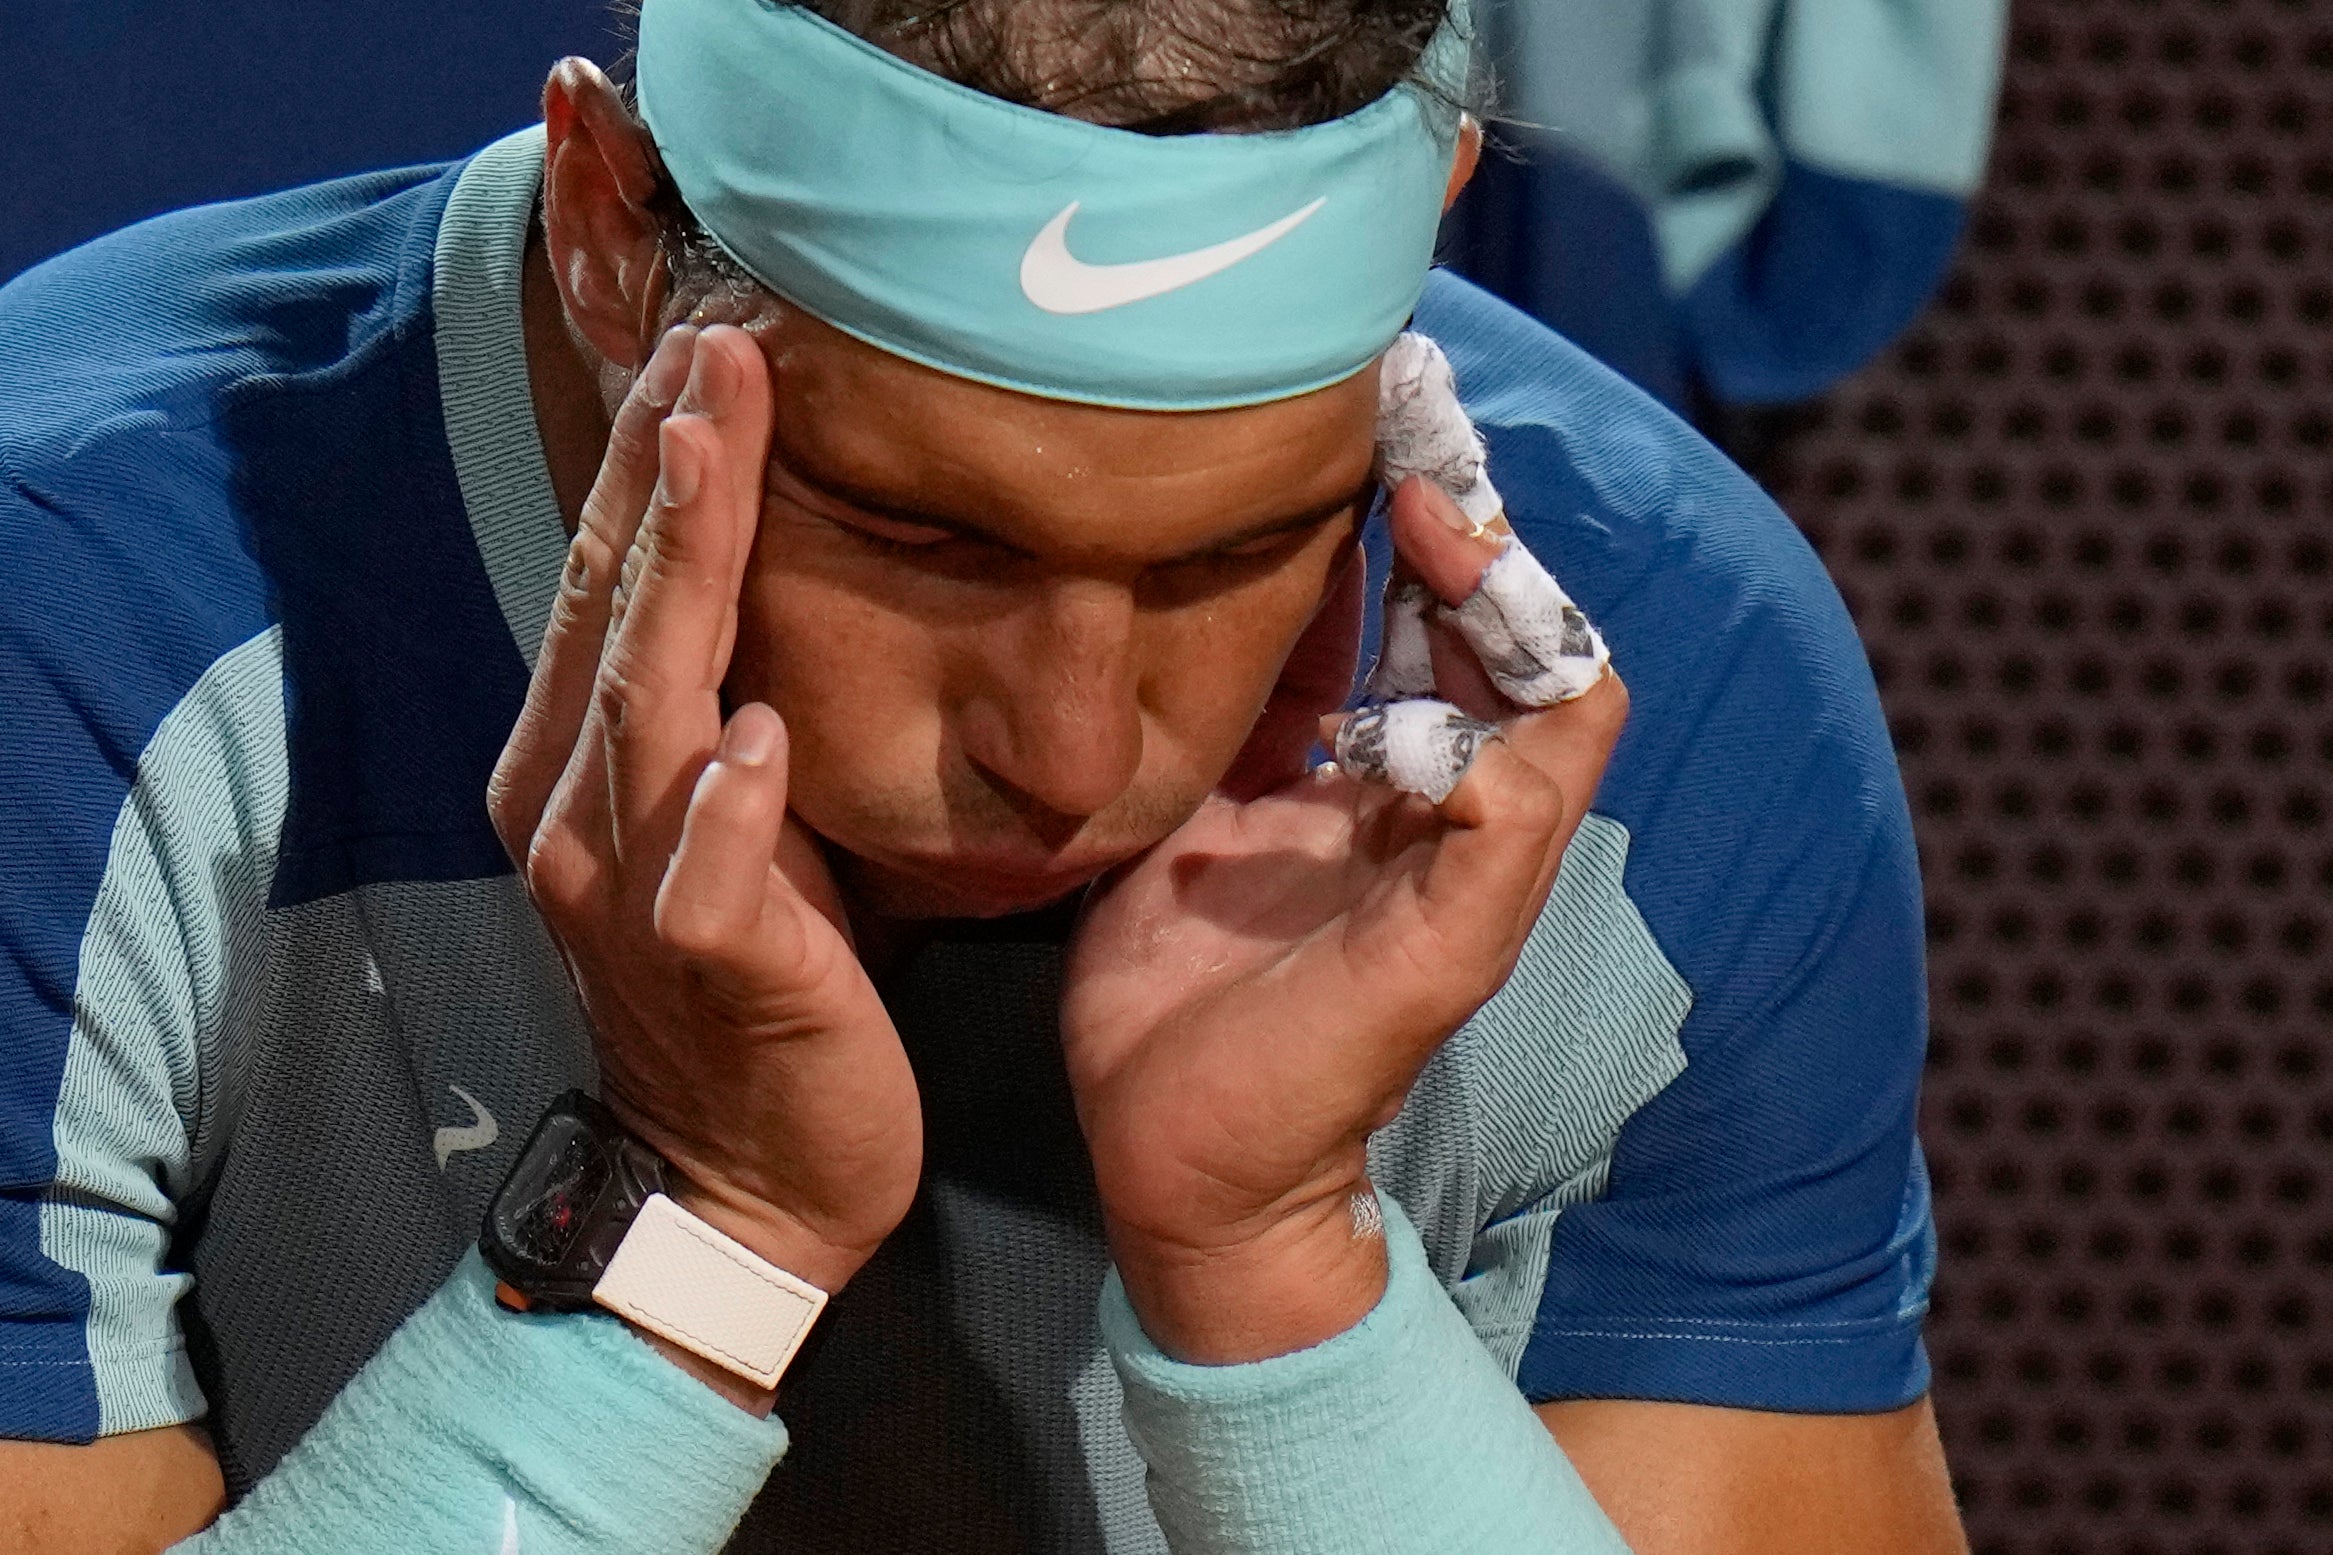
<point x="993" y="884"/>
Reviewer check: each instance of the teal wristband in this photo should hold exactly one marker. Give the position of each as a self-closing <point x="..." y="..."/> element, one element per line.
<point x="477" y="1430"/>
<point x="1400" y="1436"/>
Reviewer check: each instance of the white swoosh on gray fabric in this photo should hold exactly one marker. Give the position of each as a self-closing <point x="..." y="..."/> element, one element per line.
<point x="477" y="1135"/>
<point x="1059" y="282"/>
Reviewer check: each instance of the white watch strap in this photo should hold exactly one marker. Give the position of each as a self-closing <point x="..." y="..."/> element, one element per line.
<point x="677" y="1276"/>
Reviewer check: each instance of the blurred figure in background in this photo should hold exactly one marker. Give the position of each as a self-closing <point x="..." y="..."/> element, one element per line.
<point x="1734" y="202"/>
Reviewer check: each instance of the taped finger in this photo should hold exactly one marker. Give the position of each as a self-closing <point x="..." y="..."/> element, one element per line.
<point x="1534" y="643"/>
<point x="1419" y="746"/>
<point x="1422" y="429"/>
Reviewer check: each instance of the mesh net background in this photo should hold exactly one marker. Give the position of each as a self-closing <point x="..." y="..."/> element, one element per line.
<point x="2082" y="515"/>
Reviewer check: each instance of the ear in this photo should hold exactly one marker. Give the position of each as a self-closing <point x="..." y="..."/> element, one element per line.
<point x="600" y="172"/>
<point x="1469" y="153"/>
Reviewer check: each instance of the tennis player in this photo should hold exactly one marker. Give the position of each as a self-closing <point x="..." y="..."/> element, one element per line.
<point x="668" y="886"/>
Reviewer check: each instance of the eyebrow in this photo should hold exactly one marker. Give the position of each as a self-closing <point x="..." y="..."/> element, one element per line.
<point x="867" y="502"/>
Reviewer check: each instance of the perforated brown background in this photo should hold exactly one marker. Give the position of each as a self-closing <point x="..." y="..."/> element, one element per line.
<point x="2082" y="514"/>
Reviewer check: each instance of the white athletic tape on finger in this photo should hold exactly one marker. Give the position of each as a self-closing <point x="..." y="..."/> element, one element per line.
<point x="1423" y="430"/>
<point x="1420" y="746"/>
<point x="1534" y="643"/>
<point x="1405" y="660"/>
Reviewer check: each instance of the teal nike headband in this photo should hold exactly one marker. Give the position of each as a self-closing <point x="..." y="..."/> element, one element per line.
<point x="1037" y="251"/>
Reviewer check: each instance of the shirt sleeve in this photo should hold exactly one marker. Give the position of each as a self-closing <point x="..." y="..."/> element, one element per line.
<point x="1753" y="1229"/>
<point x="1764" y="1238"/>
<point x="1765" y="1241"/>
<point x="141" y="768"/>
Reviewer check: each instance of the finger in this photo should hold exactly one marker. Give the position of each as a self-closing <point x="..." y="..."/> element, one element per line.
<point x="1536" y="645"/>
<point x="559" y="694"/>
<point x="1420" y="746"/>
<point x="1572" y="742"/>
<point x="1437" y="541"/>
<point x="1423" y="430"/>
<point x="1459" y="677"/>
<point x="721" y="903"/>
<point x="1317" y="677"/>
<point x="1568" y="747"/>
<point x="675" y="620"/>
<point x="1491" y="874"/>
<point x="1436" y="750"/>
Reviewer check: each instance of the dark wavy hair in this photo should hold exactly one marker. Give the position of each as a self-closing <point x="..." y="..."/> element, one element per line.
<point x="1158" y="67"/>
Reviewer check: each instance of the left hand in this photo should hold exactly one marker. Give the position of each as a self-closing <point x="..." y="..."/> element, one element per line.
<point x="1253" y="998"/>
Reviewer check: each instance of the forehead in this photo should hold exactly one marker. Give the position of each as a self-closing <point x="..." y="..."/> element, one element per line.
<point x="1048" y="473"/>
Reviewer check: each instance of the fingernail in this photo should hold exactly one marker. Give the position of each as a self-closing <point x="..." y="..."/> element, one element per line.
<point x="709" y="385"/>
<point x="1445" y="507"/>
<point x="668" y="365"/>
<point x="748" y="742"/>
<point x="575" y="577"/>
<point x="682" y="473"/>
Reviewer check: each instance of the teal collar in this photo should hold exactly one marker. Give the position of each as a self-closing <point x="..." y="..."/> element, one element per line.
<point x="483" y="384"/>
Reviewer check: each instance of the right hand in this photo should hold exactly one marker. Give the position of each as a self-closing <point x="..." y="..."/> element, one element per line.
<point x="737" y="1033"/>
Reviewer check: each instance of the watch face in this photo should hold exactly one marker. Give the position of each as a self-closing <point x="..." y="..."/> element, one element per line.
<point x="553" y="1192"/>
<point x="564" y="1208"/>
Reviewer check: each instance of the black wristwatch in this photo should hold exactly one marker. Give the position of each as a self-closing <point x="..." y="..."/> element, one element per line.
<point x="585" y="1220"/>
<point x="554" y="1225"/>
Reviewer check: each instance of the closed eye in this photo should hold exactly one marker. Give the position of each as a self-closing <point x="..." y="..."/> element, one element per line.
<point x="897" y="531"/>
<point x="1272" y="544"/>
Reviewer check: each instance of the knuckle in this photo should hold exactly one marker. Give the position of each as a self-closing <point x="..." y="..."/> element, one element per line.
<point x="667" y="543"/>
<point x="619" y="692"/>
<point x="610" y="694"/>
<point x="1535" y="800"/>
<point x="558" y="869"/>
<point x="571" y="608"/>
<point x="504" y="811"/>
<point x="632" y="442"/>
<point x="648" y="547"/>
<point x="1517" y="793"/>
<point x="701" y="933"/>
<point x="591" y="561"/>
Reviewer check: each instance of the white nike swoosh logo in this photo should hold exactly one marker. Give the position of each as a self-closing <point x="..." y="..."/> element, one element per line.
<point x="1059" y="282"/>
<point x="480" y="1133"/>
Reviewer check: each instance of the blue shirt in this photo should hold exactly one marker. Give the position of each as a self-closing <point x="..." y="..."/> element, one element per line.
<point x="279" y="544"/>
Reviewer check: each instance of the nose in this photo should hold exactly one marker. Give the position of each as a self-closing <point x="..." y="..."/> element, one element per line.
<point x="1056" y="725"/>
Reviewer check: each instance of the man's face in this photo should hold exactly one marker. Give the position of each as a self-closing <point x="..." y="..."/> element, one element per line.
<point x="1017" y="641"/>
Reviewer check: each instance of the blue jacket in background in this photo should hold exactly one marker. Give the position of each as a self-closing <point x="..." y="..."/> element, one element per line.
<point x="1738" y="201"/>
